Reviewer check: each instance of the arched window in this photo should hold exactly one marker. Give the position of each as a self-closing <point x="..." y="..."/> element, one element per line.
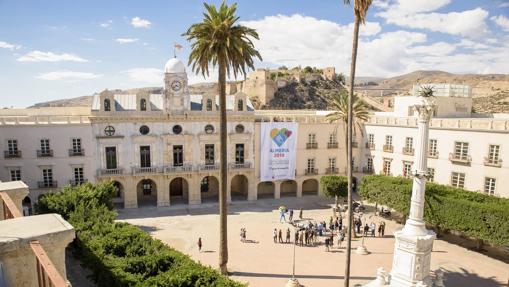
<point x="209" y="105"/>
<point x="143" y="105"/>
<point x="107" y="105"/>
<point x="240" y="105"/>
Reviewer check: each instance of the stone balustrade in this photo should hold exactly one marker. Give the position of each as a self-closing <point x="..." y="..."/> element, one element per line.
<point x="16" y="191"/>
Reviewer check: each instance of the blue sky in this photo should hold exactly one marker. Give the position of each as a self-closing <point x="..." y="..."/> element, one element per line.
<point x="62" y="49"/>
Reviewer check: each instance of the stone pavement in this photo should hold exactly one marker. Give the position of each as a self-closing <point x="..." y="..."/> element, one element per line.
<point x="262" y="263"/>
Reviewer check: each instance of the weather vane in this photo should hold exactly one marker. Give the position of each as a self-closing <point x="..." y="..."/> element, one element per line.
<point x="176" y="47"/>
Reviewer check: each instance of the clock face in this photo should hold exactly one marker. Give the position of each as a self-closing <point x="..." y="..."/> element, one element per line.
<point x="176" y="86"/>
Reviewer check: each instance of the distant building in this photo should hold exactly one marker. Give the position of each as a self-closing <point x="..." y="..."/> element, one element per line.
<point x="329" y="73"/>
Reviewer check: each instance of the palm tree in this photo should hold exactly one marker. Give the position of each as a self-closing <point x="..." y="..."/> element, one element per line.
<point x="360" y="9"/>
<point x="220" y="41"/>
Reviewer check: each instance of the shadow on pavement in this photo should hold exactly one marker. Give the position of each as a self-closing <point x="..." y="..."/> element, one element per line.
<point x="465" y="278"/>
<point x="271" y="275"/>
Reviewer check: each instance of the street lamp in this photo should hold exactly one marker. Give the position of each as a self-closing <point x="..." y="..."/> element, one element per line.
<point x="293" y="282"/>
<point x="361" y="249"/>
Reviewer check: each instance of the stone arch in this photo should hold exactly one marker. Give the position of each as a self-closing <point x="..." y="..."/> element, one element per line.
<point x="288" y="188"/>
<point x="27" y="206"/>
<point x="310" y="187"/>
<point x="209" y="189"/>
<point x="146" y="192"/>
<point x="179" y="191"/>
<point x="239" y="187"/>
<point x="266" y="189"/>
<point x="119" y="192"/>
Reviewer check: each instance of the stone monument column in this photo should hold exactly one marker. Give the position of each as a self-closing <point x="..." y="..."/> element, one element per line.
<point x="412" y="250"/>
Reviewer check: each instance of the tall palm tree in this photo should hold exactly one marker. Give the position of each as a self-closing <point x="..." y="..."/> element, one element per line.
<point x="220" y="41"/>
<point x="360" y="9"/>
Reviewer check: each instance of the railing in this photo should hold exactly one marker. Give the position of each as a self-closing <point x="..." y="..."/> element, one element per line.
<point x="47" y="184"/>
<point x="150" y="169"/>
<point x="10" y="209"/>
<point x="408" y="151"/>
<point x="331" y="170"/>
<point x="45" y="153"/>
<point x="311" y="171"/>
<point x="74" y="182"/>
<point x="12" y="153"/>
<point x="235" y="165"/>
<point x="460" y="159"/>
<point x="388" y="148"/>
<point x="311" y="145"/>
<point x="214" y="166"/>
<point x="186" y="167"/>
<point x="77" y="152"/>
<point x="111" y="171"/>
<point x="495" y="162"/>
<point x="47" y="274"/>
<point x="433" y="154"/>
<point x="332" y="145"/>
<point x="367" y="170"/>
<point x="370" y="145"/>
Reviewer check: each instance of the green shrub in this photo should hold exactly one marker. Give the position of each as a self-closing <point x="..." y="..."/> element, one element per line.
<point x="474" y="214"/>
<point x="120" y="254"/>
<point x="334" y="185"/>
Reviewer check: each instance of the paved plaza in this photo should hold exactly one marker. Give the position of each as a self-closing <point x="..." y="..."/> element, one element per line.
<point x="262" y="263"/>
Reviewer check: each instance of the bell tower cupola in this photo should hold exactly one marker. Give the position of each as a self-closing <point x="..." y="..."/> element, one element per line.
<point x="176" y="92"/>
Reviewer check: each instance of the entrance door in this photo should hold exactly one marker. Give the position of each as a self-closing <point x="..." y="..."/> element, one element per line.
<point x="176" y="188"/>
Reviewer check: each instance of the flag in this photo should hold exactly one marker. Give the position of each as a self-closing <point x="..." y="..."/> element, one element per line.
<point x="177" y="46"/>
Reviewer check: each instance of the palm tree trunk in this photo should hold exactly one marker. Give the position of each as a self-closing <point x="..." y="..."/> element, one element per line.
<point x="349" y="149"/>
<point x="223" y="234"/>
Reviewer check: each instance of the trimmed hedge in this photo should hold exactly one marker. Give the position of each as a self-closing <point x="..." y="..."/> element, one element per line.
<point x="474" y="214"/>
<point x="120" y="254"/>
<point x="334" y="185"/>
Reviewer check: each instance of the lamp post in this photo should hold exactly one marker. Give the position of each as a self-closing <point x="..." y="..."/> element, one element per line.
<point x="361" y="249"/>
<point x="293" y="282"/>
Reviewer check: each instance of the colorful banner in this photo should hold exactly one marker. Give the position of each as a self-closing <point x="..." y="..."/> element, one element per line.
<point x="278" y="150"/>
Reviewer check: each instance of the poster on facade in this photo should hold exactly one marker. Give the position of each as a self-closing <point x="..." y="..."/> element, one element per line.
<point x="278" y="151"/>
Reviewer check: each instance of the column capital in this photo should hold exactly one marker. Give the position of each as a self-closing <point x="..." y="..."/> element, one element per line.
<point x="424" y="112"/>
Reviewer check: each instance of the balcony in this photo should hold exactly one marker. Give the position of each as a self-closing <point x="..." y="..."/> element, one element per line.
<point x="331" y="170"/>
<point x="206" y="167"/>
<point x="370" y="145"/>
<point x="408" y="151"/>
<point x="235" y="165"/>
<point x="332" y="145"/>
<point x="111" y="171"/>
<point x="367" y="170"/>
<point x="311" y="145"/>
<point x="494" y="162"/>
<point x="74" y="182"/>
<point x="142" y="170"/>
<point x="388" y="148"/>
<point x="186" y="167"/>
<point x="12" y="154"/>
<point x="433" y="154"/>
<point x="47" y="184"/>
<point x="45" y="153"/>
<point x="311" y="171"/>
<point x="460" y="158"/>
<point x="77" y="152"/>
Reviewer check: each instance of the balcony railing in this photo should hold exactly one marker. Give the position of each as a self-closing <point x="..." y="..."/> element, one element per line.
<point x="214" y="166"/>
<point x="74" y="182"/>
<point x="460" y="158"/>
<point x="186" y="167"/>
<point x="12" y="153"/>
<point x="433" y="154"/>
<point x="47" y="184"/>
<point x="140" y="170"/>
<point x="408" y="151"/>
<point x="10" y="209"/>
<point x="388" y="148"/>
<point x="332" y="170"/>
<point x="235" y="165"/>
<point x="311" y="171"/>
<point x="495" y="162"/>
<point x="77" y="152"/>
<point x="47" y="274"/>
<point x="370" y="145"/>
<point x="332" y="145"/>
<point x="311" y="145"/>
<point x="367" y="170"/>
<point x="45" y="153"/>
<point x="111" y="171"/>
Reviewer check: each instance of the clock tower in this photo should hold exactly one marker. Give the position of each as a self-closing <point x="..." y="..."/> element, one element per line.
<point x="176" y="92"/>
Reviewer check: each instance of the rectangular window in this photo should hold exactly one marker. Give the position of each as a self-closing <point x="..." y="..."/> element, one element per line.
<point x="461" y="150"/>
<point x="239" y="153"/>
<point x="45" y="146"/>
<point x="409" y="143"/>
<point x="333" y="138"/>
<point x="489" y="185"/>
<point x="432" y="148"/>
<point x="371" y="139"/>
<point x="431" y="174"/>
<point x="111" y="157"/>
<point x="388" y="140"/>
<point x="15" y="174"/>
<point x="494" y="153"/>
<point x="332" y="163"/>
<point x="78" y="175"/>
<point x="76" y="145"/>
<point x="312" y="138"/>
<point x="458" y="179"/>
<point x="47" y="177"/>
<point x="145" y="156"/>
<point x="407" y="169"/>
<point x="209" y="154"/>
<point x="369" y="164"/>
<point x="311" y="165"/>
<point x="178" y="155"/>
<point x="387" y="166"/>
<point x="12" y="146"/>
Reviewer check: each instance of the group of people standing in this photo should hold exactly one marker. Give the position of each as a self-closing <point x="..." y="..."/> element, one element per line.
<point x="369" y="229"/>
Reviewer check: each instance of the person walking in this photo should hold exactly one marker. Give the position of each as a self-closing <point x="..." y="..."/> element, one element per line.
<point x="282" y="217"/>
<point x="372" y="228"/>
<point x="300" y="214"/>
<point x="296" y="239"/>
<point x="379" y="230"/>
<point x="383" y="228"/>
<point x="199" y="244"/>
<point x="275" y="235"/>
<point x="366" y="229"/>
<point x="301" y="238"/>
<point x="341" y="238"/>
<point x="288" y="235"/>
<point x="280" y="236"/>
<point x="290" y="218"/>
<point x="327" y="244"/>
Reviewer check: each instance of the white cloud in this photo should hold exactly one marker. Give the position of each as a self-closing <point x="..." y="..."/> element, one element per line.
<point x="436" y="49"/>
<point x="39" y="56"/>
<point x="146" y="75"/>
<point x="126" y="40"/>
<point x="501" y="21"/>
<point x="137" y="22"/>
<point x="106" y="24"/>
<point x="87" y="39"/>
<point x="503" y="5"/>
<point x="12" y="47"/>
<point x="66" y="75"/>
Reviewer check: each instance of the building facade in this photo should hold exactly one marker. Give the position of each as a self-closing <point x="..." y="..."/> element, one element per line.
<point x="163" y="149"/>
